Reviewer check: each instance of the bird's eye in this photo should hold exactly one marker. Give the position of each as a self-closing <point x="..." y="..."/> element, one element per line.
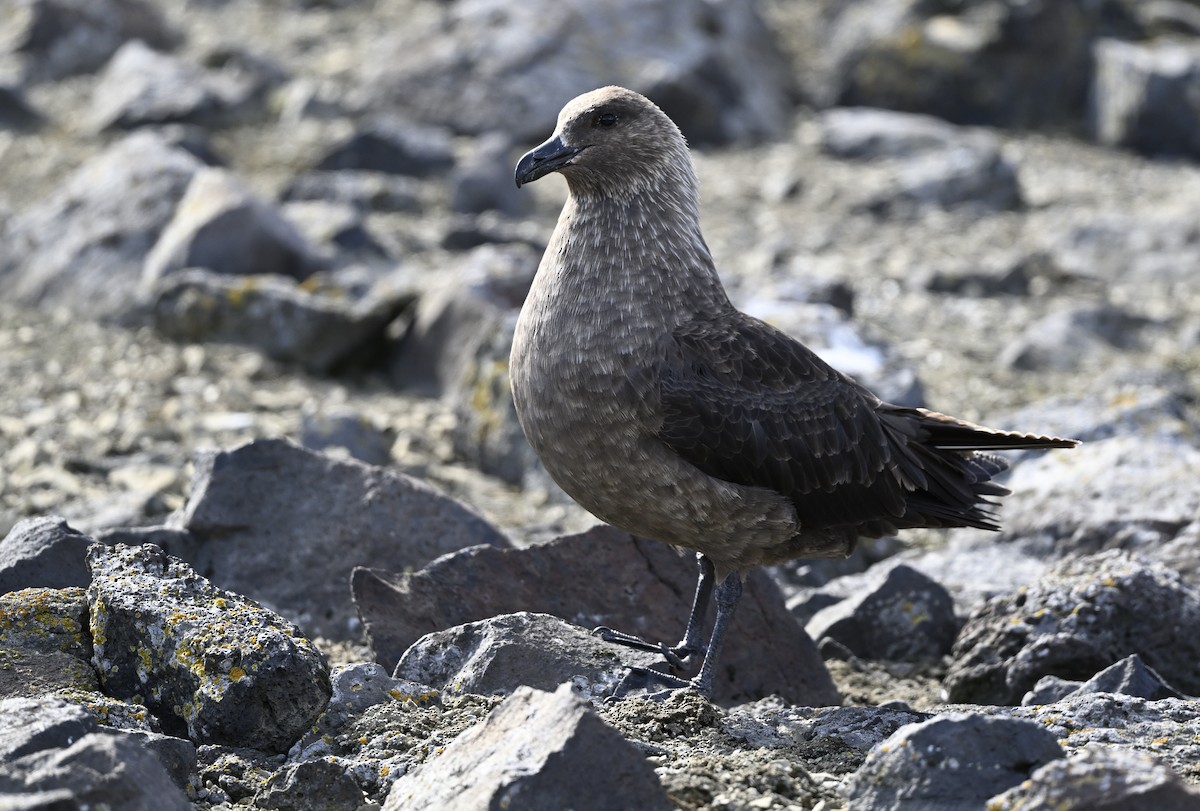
<point x="606" y="119"/>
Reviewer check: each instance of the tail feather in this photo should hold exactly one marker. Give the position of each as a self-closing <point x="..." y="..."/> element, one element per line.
<point x="955" y="434"/>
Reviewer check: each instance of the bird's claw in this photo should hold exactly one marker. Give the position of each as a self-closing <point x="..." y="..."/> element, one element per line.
<point x="642" y="682"/>
<point x="678" y="657"/>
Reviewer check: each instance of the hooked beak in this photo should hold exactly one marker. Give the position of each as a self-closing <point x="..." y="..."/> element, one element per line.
<point x="549" y="157"/>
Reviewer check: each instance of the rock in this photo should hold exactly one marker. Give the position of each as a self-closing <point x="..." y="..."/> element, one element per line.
<point x="210" y="661"/>
<point x="1084" y="615"/>
<point x="347" y="431"/>
<point x="1048" y="690"/>
<point x="44" y="646"/>
<point x="221" y="226"/>
<point x="83" y="246"/>
<point x="712" y="67"/>
<point x="537" y="750"/>
<point x="453" y="319"/>
<point x="866" y="133"/>
<point x="395" y="147"/>
<point x="997" y="62"/>
<point x="1130" y="677"/>
<point x="904" y="616"/>
<point x="1128" y="251"/>
<point x="1092" y="333"/>
<point x="141" y="86"/>
<point x="949" y="763"/>
<point x="177" y="755"/>
<point x="96" y="771"/>
<point x="767" y="651"/>
<point x="43" y="552"/>
<point x="38" y="724"/>
<point x="15" y="112"/>
<point x="52" y="39"/>
<point x="495" y="656"/>
<point x="319" y="331"/>
<point x="368" y="191"/>
<point x="338" y="231"/>
<point x="232" y="774"/>
<point x="1129" y="492"/>
<point x="1100" y="778"/>
<point x="285" y="526"/>
<point x="484" y="182"/>
<point x="313" y="785"/>
<point x="975" y="176"/>
<point x="1145" y="97"/>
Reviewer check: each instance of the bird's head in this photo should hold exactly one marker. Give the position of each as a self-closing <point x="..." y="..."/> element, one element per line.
<point x="610" y="141"/>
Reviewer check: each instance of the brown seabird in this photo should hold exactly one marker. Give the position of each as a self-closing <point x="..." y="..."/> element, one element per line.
<point x="666" y="412"/>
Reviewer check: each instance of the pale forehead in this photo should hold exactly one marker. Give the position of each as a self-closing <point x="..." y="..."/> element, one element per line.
<point x="595" y="98"/>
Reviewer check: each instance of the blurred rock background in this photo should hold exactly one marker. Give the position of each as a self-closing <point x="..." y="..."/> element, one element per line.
<point x="230" y="220"/>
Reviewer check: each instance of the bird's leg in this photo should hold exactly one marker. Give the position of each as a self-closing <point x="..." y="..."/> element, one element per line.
<point x="690" y="645"/>
<point x="728" y="595"/>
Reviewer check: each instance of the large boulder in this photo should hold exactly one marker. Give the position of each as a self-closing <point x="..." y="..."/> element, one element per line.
<point x="1146" y="97"/>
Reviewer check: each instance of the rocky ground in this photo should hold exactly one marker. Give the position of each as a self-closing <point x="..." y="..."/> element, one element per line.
<point x="257" y="282"/>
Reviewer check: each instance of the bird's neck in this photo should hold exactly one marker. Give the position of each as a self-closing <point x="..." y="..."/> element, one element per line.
<point x="643" y="245"/>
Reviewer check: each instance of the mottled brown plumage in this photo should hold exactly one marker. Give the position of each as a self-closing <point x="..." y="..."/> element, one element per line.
<point x="665" y="411"/>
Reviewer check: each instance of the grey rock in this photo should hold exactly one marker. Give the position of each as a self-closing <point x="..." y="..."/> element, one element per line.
<point x="1084" y="615"/>
<point x="177" y="755"/>
<point x="1101" y="778"/>
<point x="495" y="656"/>
<point x="949" y="763"/>
<point x="903" y="616"/>
<point x="52" y="39"/>
<point x="454" y="318"/>
<point x="44" y="642"/>
<point x="369" y="191"/>
<point x="312" y="785"/>
<point x="285" y="526"/>
<point x="1048" y="690"/>
<point x="1130" y="491"/>
<point x="141" y="86"/>
<point x="1146" y="96"/>
<point x="96" y="771"/>
<point x="208" y="661"/>
<point x="1069" y="339"/>
<point x="233" y="774"/>
<point x="221" y="226"/>
<point x="15" y="111"/>
<point x="338" y="231"/>
<point x="859" y="133"/>
<point x="43" y="552"/>
<point x="345" y="430"/>
<point x="1166" y="17"/>
<point x="999" y="63"/>
<point x="82" y="247"/>
<point x="38" y="724"/>
<point x="975" y="176"/>
<point x="484" y="182"/>
<point x="288" y="322"/>
<point x="393" y="146"/>
<point x="1128" y="252"/>
<point x="1130" y="677"/>
<point x="766" y="652"/>
<point x="713" y="67"/>
<point x="537" y="750"/>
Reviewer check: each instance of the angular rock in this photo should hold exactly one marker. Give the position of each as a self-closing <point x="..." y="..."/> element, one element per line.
<point x="221" y="226"/>
<point x="1128" y="250"/>
<point x="313" y="785"/>
<point x="867" y="133"/>
<point x="1101" y="778"/>
<point x="15" y="112"/>
<point x="483" y="182"/>
<point x="994" y="62"/>
<point x="347" y="431"/>
<point x="337" y="231"/>
<point x="272" y="314"/>
<point x="394" y="147"/>
<point x="1130" y="677"/>
<point x="368" y="191"/>
<point x="285" y="526"/>
<point x="1146" y="96"/>
<point x="205" y="660"/>
<point x="1084" y="615"/>
<point x="43" y="552"/>
<point x="52" y="39"/>
<point x="974" y="175"/>
<point x="713" y="67"/>
<point x="950" y="763"/>
<point x="537" y="750"/>
<point x="44" y="644"/>
<point x="1048" y="690"/>
<point x="96" y="771"/>
<point x="141" y="86"/>
<point x="1091" y="333"/>
<point x="576" y="578"/>
<point x="905" y="617"/>
<point x="37" y="724"/>
<point x="1130" y="492"/>
<point x="83" y="246"/>
<point x="495" y="656"/>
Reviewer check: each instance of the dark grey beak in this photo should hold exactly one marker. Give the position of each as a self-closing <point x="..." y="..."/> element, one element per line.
<point x="549" y="157"/>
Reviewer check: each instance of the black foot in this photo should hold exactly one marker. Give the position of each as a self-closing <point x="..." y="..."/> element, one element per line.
<point x="679" y="657"/>
<point x="641" y="682"/>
